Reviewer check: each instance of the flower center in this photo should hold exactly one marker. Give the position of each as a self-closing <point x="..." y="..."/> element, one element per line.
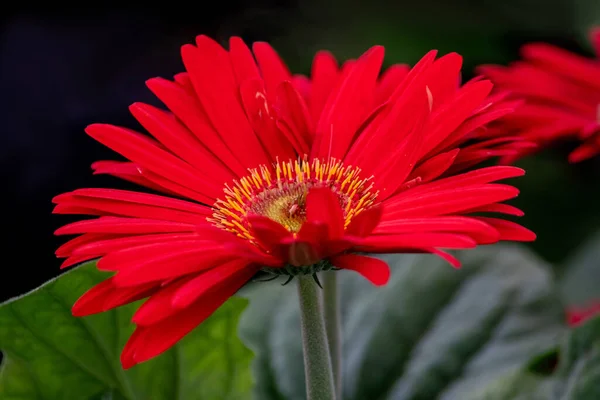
<point x="279" y="193"/>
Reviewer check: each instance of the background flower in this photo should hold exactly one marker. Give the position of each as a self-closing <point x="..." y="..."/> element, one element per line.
<point x="561" y="90"/>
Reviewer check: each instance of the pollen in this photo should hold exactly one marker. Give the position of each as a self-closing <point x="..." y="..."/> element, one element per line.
<point x="279" y="192"/>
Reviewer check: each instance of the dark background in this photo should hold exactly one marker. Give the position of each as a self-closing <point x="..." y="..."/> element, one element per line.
<point x="62" y="69"/>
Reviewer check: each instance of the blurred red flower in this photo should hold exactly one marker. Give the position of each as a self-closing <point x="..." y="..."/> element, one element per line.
<point x="561" y="92"/>
<point x="578" y="315"/>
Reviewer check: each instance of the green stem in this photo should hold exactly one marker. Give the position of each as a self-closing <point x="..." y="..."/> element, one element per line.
<point x="333" y="324"/>
<point x="317" y="362"/>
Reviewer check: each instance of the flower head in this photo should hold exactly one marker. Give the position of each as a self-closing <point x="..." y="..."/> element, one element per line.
<point x="561" y="92"/>
<point x="260" y="170"/>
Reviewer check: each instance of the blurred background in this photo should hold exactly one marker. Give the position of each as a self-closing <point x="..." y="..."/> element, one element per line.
<point x="62" y="69"/>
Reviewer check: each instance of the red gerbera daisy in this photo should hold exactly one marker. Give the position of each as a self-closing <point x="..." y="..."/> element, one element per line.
<point x="561" y="92"/>
<point x="265" y="171"/>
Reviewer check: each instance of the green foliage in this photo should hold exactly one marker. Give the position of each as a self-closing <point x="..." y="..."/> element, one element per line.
<point x="51" y="355"/>
<point x="577" y="376"/>
<point x="432" y="332"/>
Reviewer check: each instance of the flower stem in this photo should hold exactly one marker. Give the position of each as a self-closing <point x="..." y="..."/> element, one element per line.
<point x="317" y="361"/>
<point x="333" y="324"/>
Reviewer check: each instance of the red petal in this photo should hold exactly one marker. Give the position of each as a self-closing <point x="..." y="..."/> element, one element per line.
<point x="273" y="69"/>
<point x="452" y="114"/>
<point x="385" y="128"/>
<point x="447" y="201"/>
<point x="188" y="109"/>
<point x="293" y="118"/>
<point x="347" y="105"/>
<point x="148" y="154"/>
<point x="242" y="60"/>
<point x="313" y="232"/>
<point x="510" y="230"/>
<point x="475" y="177"/>
<point x="434" y="167"/>
<point x="159" y="305"/>
<point x="131" y="346"/>
<point x="149" y="341"/>
<point x="303" y="86"/>
<point x="269" y="234"/>
<point x="131" y="172"/>
<point x="139" y="255"/>
<point x="389" y="81"/>
<point x="118" y="225"/>
<point x="212" y="75"/>
<point x="400" y="242"/>
<point x="67" y="248"/>
<point x="102" y="247"/>
<point x="480" y="231"/>
<point x="184" y="292"/>
<point x="498" y="208"/>
<point x="364" y="223"/>
<point x="585" y="151"/>
<point x="396" y="133"/>
<point x="375" y="270"/>
<point x="466" y="129"/>
<point x="174" y="136"/>
<point x="130" y="204"/>
<point x="322" y="205"/>
<point x="184" y="81"/>
<point x="234" y="271"/>
<point x="168" y="267"/>
<point x="324" y="76"/>
<point x="162" y="261"/>
<point x="136" y="198"/>
<point x="262" y="119"/>
<point x="570" y="65"/>
<point x="134" y="173"/>
<point x="105" y="296"/>
<point x="445" y="78"/>
<point x="448" y="257"/>
<point x="72" y="260"/>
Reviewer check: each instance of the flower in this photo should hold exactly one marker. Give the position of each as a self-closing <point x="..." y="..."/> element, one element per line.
<point x="578" y="315"/>
<point x="263" y="171"/>
<point x="561" y="92"/>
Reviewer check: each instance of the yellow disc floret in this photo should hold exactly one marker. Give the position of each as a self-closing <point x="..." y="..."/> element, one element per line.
<point x="279" y="193"/>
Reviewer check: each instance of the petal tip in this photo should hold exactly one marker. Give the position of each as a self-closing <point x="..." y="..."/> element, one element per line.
<point x="383" y="279"/>
<point x="61" y="197"/>
<point x="127" y="361"/>
<point x="136" y="106"/>
<point x="187" y="51"/>
<point x="528" y="236"/>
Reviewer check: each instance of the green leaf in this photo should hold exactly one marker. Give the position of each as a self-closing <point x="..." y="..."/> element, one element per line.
<point x="49" y="354"/>
<point x="582" y="341"/>
<point x="579" y="285"/>
<point x="432" y="332"/>
<point x="576" y="378"/>
<point x="518" y="385"/>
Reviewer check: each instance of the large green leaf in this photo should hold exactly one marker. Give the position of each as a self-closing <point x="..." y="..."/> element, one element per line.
<point x="579" y="285"/>
<point x="577" y="376"/>
<point x="432" y="332"/>
<point x="51" y="355"/>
